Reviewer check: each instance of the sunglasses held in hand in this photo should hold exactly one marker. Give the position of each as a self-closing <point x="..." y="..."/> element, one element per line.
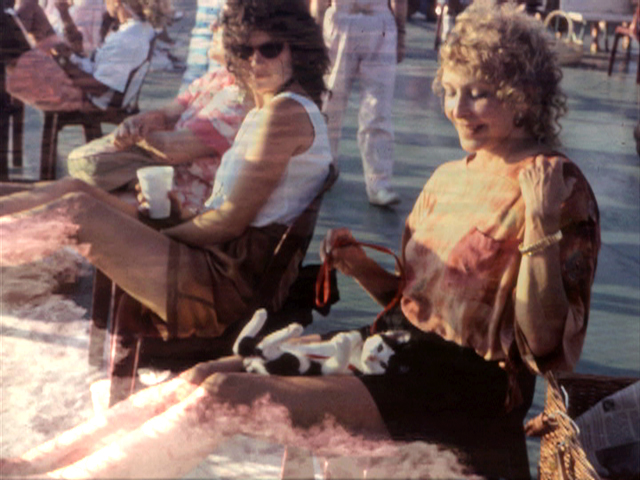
<point x="269" y="50"/>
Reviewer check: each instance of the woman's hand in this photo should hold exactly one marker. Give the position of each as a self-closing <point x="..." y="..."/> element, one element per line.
<point x="544" y="189"/>
<point x="344" y="258"/>
<point x="129" y="132"/>
<point x="177" y="216"/>
<point x="135" y="128"/>
<point x="342" y="253"/>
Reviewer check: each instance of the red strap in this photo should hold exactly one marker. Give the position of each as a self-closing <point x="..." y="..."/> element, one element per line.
<point x="323" y="285"/>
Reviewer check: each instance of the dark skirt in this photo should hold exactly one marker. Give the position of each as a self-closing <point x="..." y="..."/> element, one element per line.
<point x="449" y="395"/>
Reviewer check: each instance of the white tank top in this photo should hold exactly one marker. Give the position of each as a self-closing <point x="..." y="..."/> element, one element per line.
<point x="301" y="181"/>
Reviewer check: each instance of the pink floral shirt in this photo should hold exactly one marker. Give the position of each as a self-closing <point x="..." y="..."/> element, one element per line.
<point x="461" y="258"/>
<point x="214" y="110"/>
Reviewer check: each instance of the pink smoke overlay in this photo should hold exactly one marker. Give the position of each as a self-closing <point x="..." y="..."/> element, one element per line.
<point x="341" y="454"/>
<point x="30" y="238"/>
<point x="33" y="240"/>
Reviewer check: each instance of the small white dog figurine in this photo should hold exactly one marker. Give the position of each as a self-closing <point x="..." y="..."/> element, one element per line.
<point x="345" y="353"/>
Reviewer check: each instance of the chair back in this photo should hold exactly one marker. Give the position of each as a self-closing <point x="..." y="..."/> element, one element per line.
<point x="585" y="390"/>
<point x="132" y="93"/>
<point x="128" y="100"/>
<point x="291" y="250"/>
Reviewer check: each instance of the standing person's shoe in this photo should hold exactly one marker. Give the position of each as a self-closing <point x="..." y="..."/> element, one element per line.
<point x="384" y="197"/>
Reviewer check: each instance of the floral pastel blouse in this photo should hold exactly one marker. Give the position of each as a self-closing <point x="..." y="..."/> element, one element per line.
<point x="214" y="110"/>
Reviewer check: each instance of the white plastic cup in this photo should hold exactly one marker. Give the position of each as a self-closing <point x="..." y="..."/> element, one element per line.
<point x="155" y="183"/>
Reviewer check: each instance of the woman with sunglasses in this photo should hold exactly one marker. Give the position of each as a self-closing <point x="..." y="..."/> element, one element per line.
<point x="197" y="277"/>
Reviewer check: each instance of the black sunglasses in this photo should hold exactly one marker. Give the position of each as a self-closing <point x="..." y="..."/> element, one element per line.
<point x="269" y="50"/>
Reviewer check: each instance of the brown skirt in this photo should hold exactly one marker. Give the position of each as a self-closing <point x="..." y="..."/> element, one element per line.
<point x="211" y="288"/>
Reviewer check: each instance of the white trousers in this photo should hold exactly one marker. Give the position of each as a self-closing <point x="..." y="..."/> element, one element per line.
<point x="363" y="46"/>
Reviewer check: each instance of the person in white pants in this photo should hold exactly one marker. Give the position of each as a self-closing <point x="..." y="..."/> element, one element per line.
<point x="365" y="39"/>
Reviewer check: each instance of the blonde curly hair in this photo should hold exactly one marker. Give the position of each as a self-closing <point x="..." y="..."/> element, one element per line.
<point x="502" y="46"/>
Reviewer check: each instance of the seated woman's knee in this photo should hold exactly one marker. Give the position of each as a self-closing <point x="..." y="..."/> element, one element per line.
<point x="72" y="185"/>
<point x="78" y="203"/>
<point x="77" y="197"/>
<point x="232" y="388"/>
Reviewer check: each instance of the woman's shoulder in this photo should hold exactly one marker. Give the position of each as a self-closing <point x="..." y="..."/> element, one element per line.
<point x="581" y="203"/>
<point x="288" y="102"/>
<point x="570" y="169"/>
<point x="293" y="103"/>
<point x="289" y="113"/>
<point x="451" y="167"/>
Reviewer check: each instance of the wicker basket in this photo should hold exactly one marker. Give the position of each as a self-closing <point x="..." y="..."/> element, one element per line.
<point x="584" y="391"/>
<point x="561" y="453"/>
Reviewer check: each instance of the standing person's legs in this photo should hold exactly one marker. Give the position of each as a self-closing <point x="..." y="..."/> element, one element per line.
<point x="375" y="132"/>
<point x="341" y="40"/>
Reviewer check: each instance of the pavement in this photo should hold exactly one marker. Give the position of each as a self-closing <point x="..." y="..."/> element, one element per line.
<point x="597" y="134"/>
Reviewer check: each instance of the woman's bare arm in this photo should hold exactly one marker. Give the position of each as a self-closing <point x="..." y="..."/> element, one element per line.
<point x="174" y="147"/>
<point x="286" y="131"/>
<point x="541" y="302"/>
<point x="135" y="128"/>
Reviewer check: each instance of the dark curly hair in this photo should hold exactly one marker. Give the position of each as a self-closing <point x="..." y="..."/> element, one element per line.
<point x="503" y="46"/>
<point x="285" y="20"/>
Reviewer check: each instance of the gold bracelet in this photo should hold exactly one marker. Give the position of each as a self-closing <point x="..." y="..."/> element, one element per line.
<point x="541" y="244"/>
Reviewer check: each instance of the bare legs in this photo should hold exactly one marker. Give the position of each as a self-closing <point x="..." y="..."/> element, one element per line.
<point x="130" y="253"/>
<point x="116" y="422"/>
<point x="165" y="431"/>
<point x="16" y="198"/>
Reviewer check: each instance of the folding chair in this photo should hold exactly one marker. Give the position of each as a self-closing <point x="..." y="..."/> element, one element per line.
<point x="13" y="43"/>
<point x="126" y="349"/>
<point x="122" y="106"/>
<point x="13" y="121"/>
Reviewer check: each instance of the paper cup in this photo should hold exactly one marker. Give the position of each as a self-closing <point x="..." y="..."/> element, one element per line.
<point x="155" y="183"/>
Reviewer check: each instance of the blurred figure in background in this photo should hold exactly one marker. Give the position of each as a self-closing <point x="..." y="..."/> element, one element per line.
<point x="53" y="77"/>
<point x="366" y="39"/>
<point x="198" y="62"/>
<point x="86" y="16"/>
<point x="38" y="26"/>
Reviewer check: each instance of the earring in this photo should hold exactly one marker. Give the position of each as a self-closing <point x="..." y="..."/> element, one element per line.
<point x="518" y="119"/>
